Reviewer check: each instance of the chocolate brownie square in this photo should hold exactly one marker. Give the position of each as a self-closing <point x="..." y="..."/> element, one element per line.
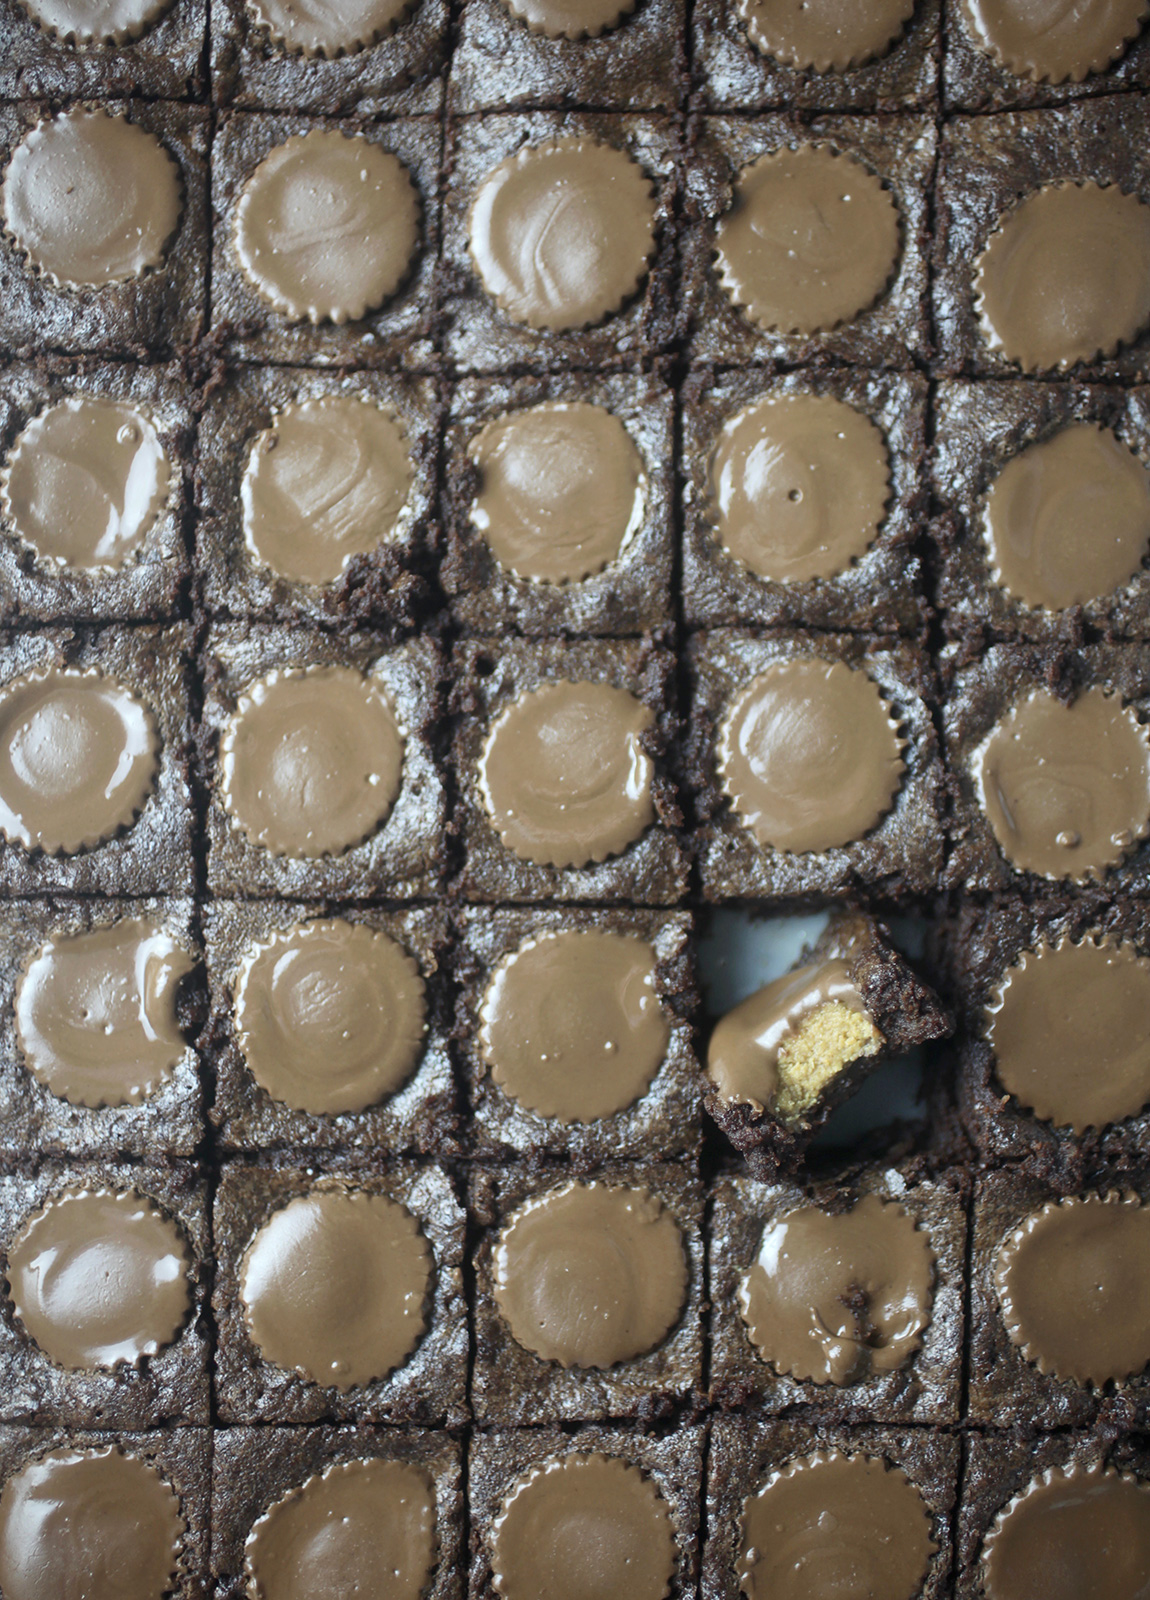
<point x="875" y="587"/>
<point x="163" y="62"/>
<point x="156" y="311"/>
<point x="746" y="1456"/>
<point x="83" y="1532"/>
<point x="612" y="468"/>
<point x="49" y="426"/>
<point x="51" y="1015"/>
<point x="255" y="1469"/>
<point x="419" y="1115"/>
<point x="999" y="67"/>
<point x="510" y="55"/>
<point x="628" y="849"/>
<point x="142" y="826"/>
<point x="897" y="1356"/>
<point x="893" y="327"/>
<point x="619" y="1235"/>
<point x="734" y="72"/>
<point x="152" y="1342"/>
<point x="644" y="316"/>
<point x="402" y="855"/>
<point x="504" y="1461"/>
<point x="617" y="984"/>
<point x="987" y="166"/>
<point x="324" y="1299"/>
<point x="1026" y="473"/>
<point x="397" y="332"/>
<point x="898" y="853"/>
<point x="362" y="491"/>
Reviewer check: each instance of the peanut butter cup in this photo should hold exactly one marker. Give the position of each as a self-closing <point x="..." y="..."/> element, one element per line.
<point x="91" y="199"/>
<point x="1075" y="1533"/>
<point x="825" y="35"/>
<point x="325" y="28"/>
<point x="570" y="19"/>
<point x="326" y="227"/>
<point x="1054" y="44"/>
<point x="88" y="22"/>
<point x="562" y="233"/>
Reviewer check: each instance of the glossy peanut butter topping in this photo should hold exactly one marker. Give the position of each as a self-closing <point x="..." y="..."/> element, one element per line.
<point x="583" y="1526"/>
<point x="839" y="1298"/>
<point x="589" y="1275"/>
<point x="360" y="1528"/>
<point x="329" y="28"/>
<point x="800" y="486"/>
<point x="1066" y="276"/>
<point x="571" y="1026"/>
<point x="89" y="1525"/>
<point x="1068" y="520"/>
<point x="334" y="1286"/>
<point x="825" y="35"/>
<point x="1054" y="41"/>
<point x="326" y="227"/>
<point x="330" y="1016"/>
<point x="99" y="1278"/>
<point x="833" y="1526"/>
<point x="1066" y="788"/>
<point x="91" y="199"/>
<point x="85" y="482"/>
<point x="1067" y="1024"/>
<point x="312" y="760"/>
<point x="78" y="759"/>
<point x="1075" y="1533"/>
<point x="570" y="19"/>
<point x="87" y="22"/>
<point x="1074" y="1283"/>
<point x="811" y="240"/>
<point x="560" y="490"/>
<point x="564" y="775"/>
<point x="96" y="1013"/>
<point x="327" y="481"/>
<point x="810" y="755"/>
<point x="562" y="233"/>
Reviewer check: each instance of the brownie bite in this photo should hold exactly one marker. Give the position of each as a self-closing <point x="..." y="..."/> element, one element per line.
<point x="758" y="301"/>
<point x="276" y="1492"/>
<point x="880" y="831"/>
<point x="141" y="1360"/>
<point x="330" y="1031"/>
<point x="848" y="454"/>
<point x="574" y="1029"/>
<point x="159" y="57"/>
<point x="624" y="1236"/>
<point x="1013" y="61"/>
<point x="893" y="1493"/>
<point x="64" y="286"/>
<point x="590" y="721"/>
<point x="368" y="306"/>
<point x="360" y="716"/>
<point x="356" y="1274"/>
<point x="560" y="503"/>
<point x="621" y="172"/>
<point x="560" y="1487"/>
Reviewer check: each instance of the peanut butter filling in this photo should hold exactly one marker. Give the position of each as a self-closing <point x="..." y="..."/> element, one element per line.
<point x="99" y="22"/>
<point x="329" y="28"/>
<point x="91" y="199"/>
<point x="1075" y="1533"/>
<point x="1054" y="41"/>
<point x="570" y="19"/>
<point x="571" y="1026"/>
<point x="812" y="240"/>
<point x="825" y="35"/>
<point x="589" y="1275"/>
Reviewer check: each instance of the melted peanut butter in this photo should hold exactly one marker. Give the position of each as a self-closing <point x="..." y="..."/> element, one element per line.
<point x="326" y="227"/>
<point x="78" y="759"/>
<point x="1054" y="41"/>
<point x="91" y="199"/>
<point x="811" y="240"/>
<point x="89" y="1525"/>
<point x="580" y="1526"/>
<point x="329" y="480"/>
<point x="334" y="1286"/>
<point x="571" y="1024"/>
<point x="88" y="22"/>
<point x="1068" y="520"/>
<point x="809" y="755"/>
<point x="564" y="775"/>
<point x="329" y="28"/>
<point x="1066" y="788"/>
<point x="562" y="233"/>
<point x="560" y="490"/>
<point x="570" y="19"/>
<point x="1076" y="1533"/>
<point x="590" y="1275"/>
<point x="96" y="1013"/>
<point x="1074" y="1283"/>
<point x="825" y="35"/>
